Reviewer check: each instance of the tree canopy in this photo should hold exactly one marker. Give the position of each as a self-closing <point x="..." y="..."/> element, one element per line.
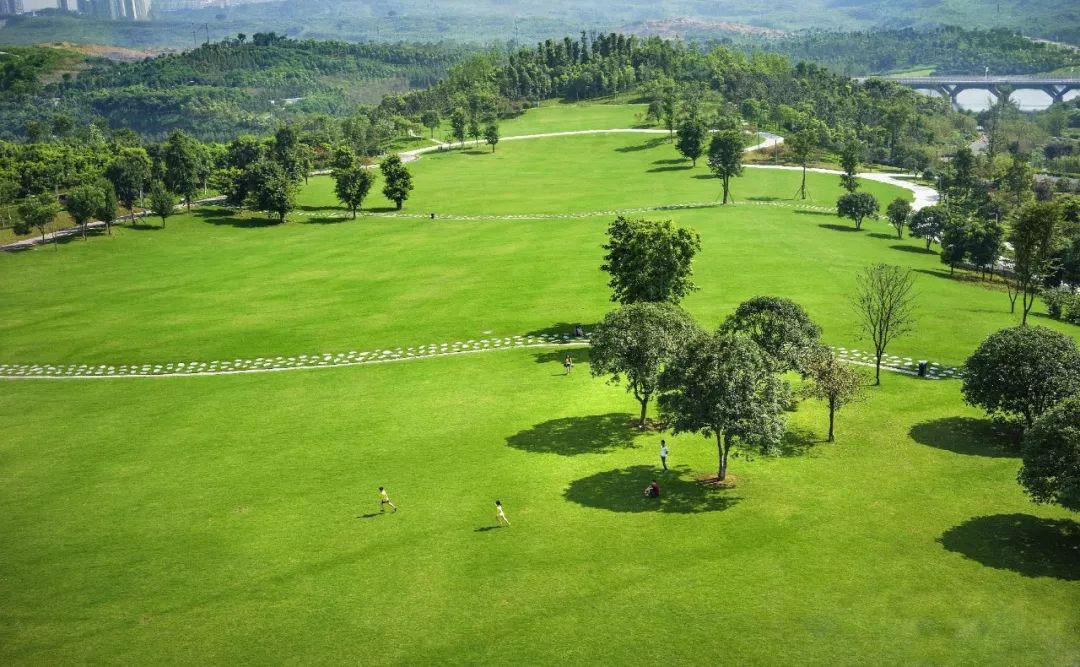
<point x="649" y="260"/>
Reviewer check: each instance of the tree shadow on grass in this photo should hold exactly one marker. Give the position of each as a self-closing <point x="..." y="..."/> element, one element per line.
<point x="799" y="441"/>
<point x="935" y="273"/>
<point x="825" y="213"/>
<point x="650" y="144"/>
<point x="570" y="436"/>
<point x="886" y="237"/>
<point x="580" y="355"/>
<point x="561" y="328"/>
<point x="1029" y="545"/>
<point x="621" y="490"/>
<point x="967" y="435"/>
<point x="918" y="250"/>
<point x="145" y="227"/>
<point x="838" y="228"/>
<point x="331" y="219"/>
<point x="674" y="160"/>
<point x="657" y="170"/>
<point x="221" y="217"/>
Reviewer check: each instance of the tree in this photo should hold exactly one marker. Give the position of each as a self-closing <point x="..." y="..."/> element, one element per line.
<point x="1051" y="455"/>
<point x="780" y="327"/>
<point x="985" y="244"/>
<point x="884" y="305"/>
<point x="288" y="152"/>
<point x="690" y="140"/>
<point x="38" y="211"/>
<point x="650" y="260"/>
<point x="722" y="386"/>
<point x="491" y="135"/>
<point x="107" y="211"/>
<point x="898" y="213"/>
<point x="272" y="190"/>
<point x="458" y="125"/>
<point x="928" y="223"/>
<point x="832" y="381"/>
<point x="474" y="129"/>
<point x="803" y="145"/>
<point x="430" y="119"/>
<point x="1022" y="372"/>
<point x="956" y="242"/>
<point x="850" y="157"/>
<point x="1017" y="180"/>
<point x="82" y="203"/>
<point x="636" y="341"/>
<point x="725" y="157"/>
<point x="128" y="174"/>
<point x="162" y="201"/>
<point x="1035" y="238"/>
<point x="352" y="184"/>
<point x="181" y="156"/>
<point x="857" y="206"/>
<point x="397" y="180"/>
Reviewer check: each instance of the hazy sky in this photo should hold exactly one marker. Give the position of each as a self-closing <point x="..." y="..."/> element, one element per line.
<point x="38" y="4"/>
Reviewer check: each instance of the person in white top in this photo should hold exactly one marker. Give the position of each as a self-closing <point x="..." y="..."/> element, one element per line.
<point x="663" y="453"/>
<point x="500" y="515"/>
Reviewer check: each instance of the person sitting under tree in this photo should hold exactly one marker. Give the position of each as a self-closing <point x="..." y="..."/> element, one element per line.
<point x="652" y="490"/>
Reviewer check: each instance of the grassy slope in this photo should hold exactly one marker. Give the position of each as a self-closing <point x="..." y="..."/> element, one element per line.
<point x="216" y="519"/>
<point x="211" y="285"/>
<point x="219" y="520"/>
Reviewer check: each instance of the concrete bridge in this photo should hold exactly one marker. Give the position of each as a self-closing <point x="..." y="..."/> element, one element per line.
<point x="998" y="86"/>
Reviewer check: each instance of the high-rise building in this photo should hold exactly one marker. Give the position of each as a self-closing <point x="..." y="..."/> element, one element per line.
<point x="11" y="7"/>
<point x="64" y="6"/>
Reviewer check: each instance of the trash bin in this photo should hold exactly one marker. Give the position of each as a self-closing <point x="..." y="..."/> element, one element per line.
<point x="922" y="369"/>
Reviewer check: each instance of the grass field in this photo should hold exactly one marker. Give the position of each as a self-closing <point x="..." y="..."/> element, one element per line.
<point x="234" y="519"/>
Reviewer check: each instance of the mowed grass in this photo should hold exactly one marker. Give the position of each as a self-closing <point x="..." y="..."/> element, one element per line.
<point x="234" y="519"/>
<point x="213" y="284"/>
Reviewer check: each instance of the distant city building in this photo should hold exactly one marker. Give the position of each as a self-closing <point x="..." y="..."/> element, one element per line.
<point x="111" y="10"/>
<point x="11" y="7"/>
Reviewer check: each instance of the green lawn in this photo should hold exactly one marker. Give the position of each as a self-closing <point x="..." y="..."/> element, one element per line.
<point x="227" y="519"/>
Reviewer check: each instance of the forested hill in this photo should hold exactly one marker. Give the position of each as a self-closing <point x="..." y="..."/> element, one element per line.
<point x="950" y="50"/>
<point x="240" y="84"/>
<point x="528" y="21"/>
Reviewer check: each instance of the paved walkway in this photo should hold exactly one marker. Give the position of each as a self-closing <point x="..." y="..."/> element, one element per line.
<point x="194" y="368"/>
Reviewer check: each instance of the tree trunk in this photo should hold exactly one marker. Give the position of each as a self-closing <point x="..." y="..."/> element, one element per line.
<point x="722" y="451"/>
<point x="877" y="369"/>
<point x="398" y="202"/>
<point x="832" y="418"/>
<point x="83" y="230"/>
<point x="899" y="233"/>
<point x="858" y="224"/>
<point x="644" y="410"/>
<point x="802" y="188"/>
<point x="928" y="242"/>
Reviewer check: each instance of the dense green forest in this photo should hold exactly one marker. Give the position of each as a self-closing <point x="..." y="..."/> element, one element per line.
<point x="220" y="89"/>
<point x="524" y="21"/>
<point x="949" y="50"/>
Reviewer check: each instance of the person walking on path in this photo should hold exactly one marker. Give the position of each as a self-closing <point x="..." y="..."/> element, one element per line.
<point x="568" y="364"/>
<point x="663" y="453"/>
<point x="500" y="515"/>
<point x="384" y="500"/>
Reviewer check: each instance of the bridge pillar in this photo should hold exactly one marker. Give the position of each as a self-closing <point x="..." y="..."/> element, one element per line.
<point x="1000" y="93"/>
<point x="1056" y="93"/>
<point x="950" y="91"/>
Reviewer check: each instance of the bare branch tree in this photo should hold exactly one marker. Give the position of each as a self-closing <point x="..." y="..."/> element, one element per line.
<point x="884" y="305"/>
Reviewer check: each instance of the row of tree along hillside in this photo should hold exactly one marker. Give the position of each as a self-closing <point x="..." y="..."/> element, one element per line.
<point x="948" y="50"/>
<point x="220" y="90"/>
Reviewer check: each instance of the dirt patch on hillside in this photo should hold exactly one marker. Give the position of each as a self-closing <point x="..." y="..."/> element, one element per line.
<point x="118" y="53"/>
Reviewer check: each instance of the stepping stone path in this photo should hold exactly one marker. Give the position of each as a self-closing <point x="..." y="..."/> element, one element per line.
<point x="891" y="363"/>
<point x="906" y="365"/>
